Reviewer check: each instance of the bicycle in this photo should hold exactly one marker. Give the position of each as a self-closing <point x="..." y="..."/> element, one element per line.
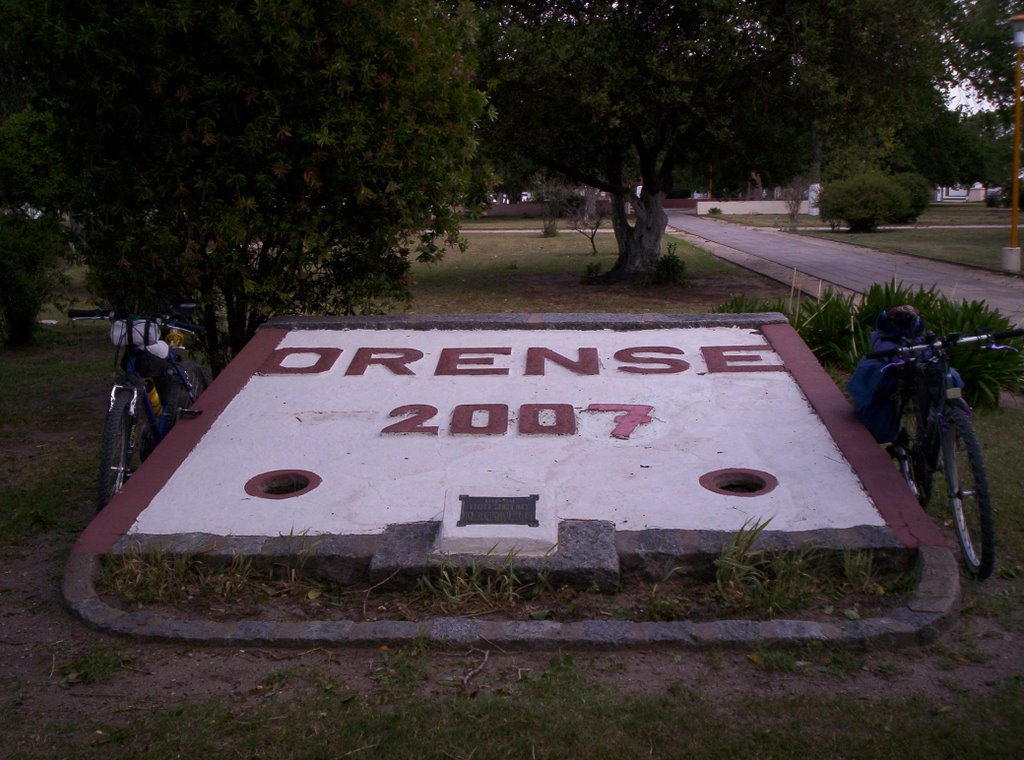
<point x="153" y="387"/>
<point x="936" y="434"/>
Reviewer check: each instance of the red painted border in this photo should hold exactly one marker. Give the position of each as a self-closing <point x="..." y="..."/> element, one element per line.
<point x="120" y="514"/>
<point x="871" y="464"/>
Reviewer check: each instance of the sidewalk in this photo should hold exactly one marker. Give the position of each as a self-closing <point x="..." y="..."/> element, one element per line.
<point x="813" y="264"/>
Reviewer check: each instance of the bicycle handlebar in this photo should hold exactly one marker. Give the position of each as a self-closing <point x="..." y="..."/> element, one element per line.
<point x="164" y="320"/>
<point x="953" y="339"/>
<point x="90" y="314"/>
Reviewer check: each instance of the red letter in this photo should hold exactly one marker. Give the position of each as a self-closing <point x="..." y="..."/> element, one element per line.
<point x="274" y="364"/>
<point x="671" y="366"/>
<point x="451" y="360"/>
<point x="586" y="364"/>
<point x="563" y="419"/>
<point x="717" y="360"/>
<point x="633" y="415"/>
<point x="396" y="363"/>
<point x="495" y="414"/>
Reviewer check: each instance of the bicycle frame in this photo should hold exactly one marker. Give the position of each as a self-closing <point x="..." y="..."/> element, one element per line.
<point x="131" y="380"/>
<point x="927" y="384"/>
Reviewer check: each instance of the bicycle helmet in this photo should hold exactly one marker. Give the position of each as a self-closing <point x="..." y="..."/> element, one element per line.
<point x="898" y="323"/>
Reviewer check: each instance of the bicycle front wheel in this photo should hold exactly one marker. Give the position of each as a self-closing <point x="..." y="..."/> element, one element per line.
<point x="967" y="488"/>
<point x="121" y="447"/>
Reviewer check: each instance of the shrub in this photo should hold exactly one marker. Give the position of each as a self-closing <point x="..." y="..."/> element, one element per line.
<point x="864" y="201"/>
<point x="29" y="274"/>
<point x="919" y="191"/>
<point x="670" y="269"/>
<point x="838" y="331"/>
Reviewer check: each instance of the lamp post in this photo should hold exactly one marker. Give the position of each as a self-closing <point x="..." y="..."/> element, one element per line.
<point x="1011" y="255"/>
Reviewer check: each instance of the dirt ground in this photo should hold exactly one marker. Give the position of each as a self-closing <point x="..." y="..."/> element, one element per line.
<point x="40" y="644"/>
<point x="43" y="651"/>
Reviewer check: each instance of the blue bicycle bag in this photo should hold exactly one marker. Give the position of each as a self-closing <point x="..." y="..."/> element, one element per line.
<point x="875" y="400"/>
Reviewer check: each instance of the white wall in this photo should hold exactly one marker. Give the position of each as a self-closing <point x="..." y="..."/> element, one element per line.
<point x="749" y="207"/>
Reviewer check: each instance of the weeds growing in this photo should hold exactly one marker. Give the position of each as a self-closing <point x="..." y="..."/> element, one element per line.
<point x="478" y="588"/>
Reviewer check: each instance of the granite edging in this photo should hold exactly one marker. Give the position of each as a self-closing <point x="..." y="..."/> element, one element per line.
<point x="931" y="608"/>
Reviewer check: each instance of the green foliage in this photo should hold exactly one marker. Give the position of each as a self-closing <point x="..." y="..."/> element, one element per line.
<point x="479" y="587"/>
<point x="864" y="201"/>
<point x="838" y="330"/>
<point x="156" y="577"/>
<point x="95" y="666"/>
<point x="749" y="578"/>
<point x="285" y="157"/>
<point x="30" y="240"/>
<point x="31" y="175"/>
<point x="919" y="192"/>
<point x="592" y="271"/>
<point x="670" y="269"/>
<point x="30" y="275"/>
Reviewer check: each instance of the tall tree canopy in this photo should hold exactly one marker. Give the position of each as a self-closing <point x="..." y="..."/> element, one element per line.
<point x="983" y="54"/>
<point x="265" y="156"/>
<point x="619" y="94"/>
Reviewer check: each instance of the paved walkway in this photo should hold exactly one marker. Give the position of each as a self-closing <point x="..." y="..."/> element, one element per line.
<point x="812" y="263"/>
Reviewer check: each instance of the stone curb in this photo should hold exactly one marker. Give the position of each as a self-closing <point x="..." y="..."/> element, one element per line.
<point x="930" y="609"/>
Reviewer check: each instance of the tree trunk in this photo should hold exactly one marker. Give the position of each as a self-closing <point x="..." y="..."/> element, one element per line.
<point x="640" y="241"/>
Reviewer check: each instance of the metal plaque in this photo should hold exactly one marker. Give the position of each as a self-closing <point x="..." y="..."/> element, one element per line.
<point x="499" y="510"/>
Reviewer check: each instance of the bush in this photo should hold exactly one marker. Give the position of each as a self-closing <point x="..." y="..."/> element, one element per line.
<point x="838" y="331"/>
<point x="920" y="192"/>
<point x="29" y="274"/>
<point x="864" y="201"/>
<point x="670" y="269"/>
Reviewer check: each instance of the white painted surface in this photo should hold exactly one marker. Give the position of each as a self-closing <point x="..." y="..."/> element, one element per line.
<point x="330" y="423"/>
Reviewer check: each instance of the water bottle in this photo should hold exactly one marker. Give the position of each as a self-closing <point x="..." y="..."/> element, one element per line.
<point x="154" y="398"/>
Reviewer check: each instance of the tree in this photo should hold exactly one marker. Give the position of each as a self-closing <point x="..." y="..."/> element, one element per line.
<point x="30" y="236"/>
<point x="619" y="95"/>
<point x="983" y="56"/>
<point x="267" y="157"/>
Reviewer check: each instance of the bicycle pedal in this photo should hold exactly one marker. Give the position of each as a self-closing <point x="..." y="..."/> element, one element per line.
<point x="190" y="413"/>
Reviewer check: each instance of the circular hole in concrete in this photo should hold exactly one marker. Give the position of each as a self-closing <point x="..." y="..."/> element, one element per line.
<point x="282" y="484"/>
<point x="739" y="482"/>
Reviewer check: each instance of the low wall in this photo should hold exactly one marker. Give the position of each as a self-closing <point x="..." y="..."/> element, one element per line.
<point x="751" y="207"/>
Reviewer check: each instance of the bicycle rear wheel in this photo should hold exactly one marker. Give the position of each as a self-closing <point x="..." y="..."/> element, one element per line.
<point x="121" y="449"/>
<point x="967" y="489"/>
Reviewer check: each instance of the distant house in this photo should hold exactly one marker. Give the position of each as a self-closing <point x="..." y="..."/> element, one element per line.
<point x="960" y="194"/>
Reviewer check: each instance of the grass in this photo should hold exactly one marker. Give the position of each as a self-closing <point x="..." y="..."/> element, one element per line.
<point x="50" y="413"/>
<point x="961" y="242"/>
<point x="974" y="247"/>
<point x="943" y="214"/>
<point x="765" y="584"/>
<point x="479" y="588"/>
<point x="558" y="711"/>
<point x="97" y="665"/>
<point x="516" y="272"/>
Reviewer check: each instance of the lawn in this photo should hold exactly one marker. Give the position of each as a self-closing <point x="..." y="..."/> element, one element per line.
<point x="69" y="692"/>
<point x="959" y="245"/>
<point x="937" y="214"/>
<point x="962" y="233"/>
